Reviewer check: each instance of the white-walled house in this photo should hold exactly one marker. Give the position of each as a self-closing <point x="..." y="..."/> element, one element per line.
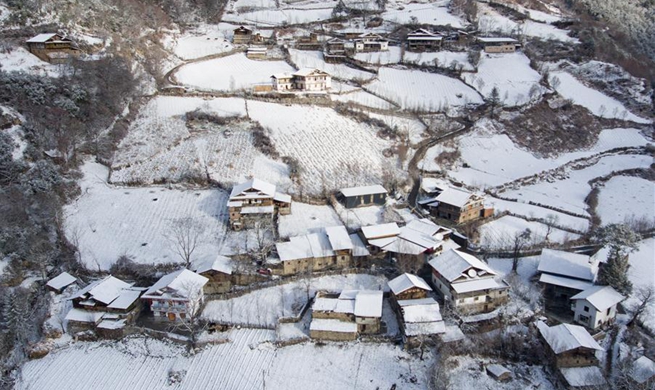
<point x="595" y="306"/>
<point x="176" y="295"/>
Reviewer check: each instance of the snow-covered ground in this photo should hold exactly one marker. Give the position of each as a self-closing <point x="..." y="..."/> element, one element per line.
<point x="204" y="40"/>
<point x="444" y="59"/>
<point x="570" y="193"/>
<point x="278" y="17"/>
<point x="412" y="89"/>
<point x="595" y="101"/>
<point x="365" y="99"/>
<point x="486" y="154"/>
<point x="413" y="127"/>
<point x="435" y="13"/>
<point x="642" y="276"/>
<point x="306" y="218"/>
<point x="626" y="197"/>
<point x="265" y="306"/>
<point x="530" y="211"/>
<point x="229" y="73"/>
<point x="465" y="374"/>
<point x="106" y="222"/>
<point x="246" y="362"/>
<point x="18" y="59"/>
<point x="500" y="232"/>
<point x="314" y="59"/>
<point x="357" y="217"/>
<point x="517" y="83"/>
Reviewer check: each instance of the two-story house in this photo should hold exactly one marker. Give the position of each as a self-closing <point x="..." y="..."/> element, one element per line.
<point x="595" y="306"/>
<point x="256" y="199"/>
<point x="176" y="296"/>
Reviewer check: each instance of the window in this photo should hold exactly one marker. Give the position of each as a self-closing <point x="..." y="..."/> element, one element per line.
<point x="586" y="309"/>
<point x="476" y="298"/>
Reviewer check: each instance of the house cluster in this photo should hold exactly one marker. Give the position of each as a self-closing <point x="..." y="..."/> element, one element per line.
<point x="569" y="290"/>
<point x="304" y="80"/>
<point x="337" y="49"/>
<point x="53" y="48"/>
<point x="454" y="204"/>
<point x="345" y="315"/>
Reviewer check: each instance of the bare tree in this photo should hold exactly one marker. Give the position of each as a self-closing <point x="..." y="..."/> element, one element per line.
<point x="645" y="297"/>
<point x="551" y="223"/>
<point x="184" y="235"/>
<point x="190" y="322"/>
<point x="263" y="229"/>
<point x="519" y="242"/>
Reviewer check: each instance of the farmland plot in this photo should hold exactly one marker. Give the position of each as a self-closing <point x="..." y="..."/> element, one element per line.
<point x="530" y="211"/>
<point x="423" y="91"/>
<point x="204" y="40"/>
<point x="334" y="151"/>
<point x="570" y="193"/>
<point x="626" y="197"/>
<point x="229" y="73"/>
<point x="517" y="83"/>
<point x="434" y="14"/>
<point x="365" y="99"/>
<point x="106" y="222"/>
<point x="278" y="17"/>
<point x="443" y="59"/>
<point x="500" y="232"/>
<point x="413" y="127"/>
<point x="314" y="59"/>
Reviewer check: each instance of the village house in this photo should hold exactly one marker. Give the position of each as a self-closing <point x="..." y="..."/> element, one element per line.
<point x="330" y="249"/>
<point x="256" y="52"/>
<point x="595" y="306"/>
<point x="362" y="196"/>
<point x="344" y="316"/>
<point x="59" y="283"/>
<point x="218" y="272"/>
<point x="457" y="205"/>
<point x="176" y="296"/>
<point x="499" y="45"/>
<point x="304" y="80"/>
<point x="466" y="283"/>
<point x="423" y="40"/>
<point x="410" y="244"/>
<point x="256" y="199"/>
<point x="564" y="275"/>
<point x="336" y="49"/>
<point x="51" y="47"/>
<point x="498" y="372"/>
<point x="107" y="303"/>
<point x="421" y="321"/>
<point x="308" y="43"/>
<point x="242" y="36"/>
<point x="408" y="286"/>
<point x="572" y="351"/>
<point x="370" y="42"/>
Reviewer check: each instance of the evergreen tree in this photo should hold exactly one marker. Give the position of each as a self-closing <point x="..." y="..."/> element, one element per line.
<point x="494" y="101"/>
<point x="621" y="241"/>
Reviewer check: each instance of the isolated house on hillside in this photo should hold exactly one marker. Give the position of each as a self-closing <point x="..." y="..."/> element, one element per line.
<point x="110" y="301"/>
<point x="256" y="199"/>
<point x="177" y="295"/>
<point x="499" y="45"/>
<point x="218" y="271"/>
<point x="51" y="47"/>
<point x="467" y="283"/>
<point x="59" y="283"/>
<point x="256" y="52"/>
<point x="343" y="316"/>
<point x="563" y="275"/>
<point x="362" y="196"/>
<point x="595" y="306"/>
<point x="310" y="42"/>
<point x="331" y="249"/>
<point x="304" y="80"/>
<point x="370" y="42"/>
<point x="335" y="50"/>
<point x="242" y="35"/>
<point x="423" y="40"/>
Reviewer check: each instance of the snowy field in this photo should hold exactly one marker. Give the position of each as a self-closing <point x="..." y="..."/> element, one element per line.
<point x="365" y="99"/>
<point x="202" y="41"/>
<point x="314" y="59"/>
<point x="106" y="222"/>
<point x="334" y="151"/>
<point x="511" y="74"/>
<point x="500" y="232"/>
<point x="569" y="194"/>
<point x="595" y="101"/>
<point x="434" y="13"/>
<point x="265" y="306"/>
<point x="279" y="17"/>
<point x="245" y="362"/>
<point x="626" y="197"/>
<point x="641" y="271"/>
<point x="411" y="126"/>
<point x="424" y="91"/>
<point x="466" y="374"/>
<point x="229" y="73"/>
<point x="486" y="154"/>
<point x="306" y="218"/>
<point x="444" y="59"/>
<point x="527" y="210"/>
<point x="18" y="59"/>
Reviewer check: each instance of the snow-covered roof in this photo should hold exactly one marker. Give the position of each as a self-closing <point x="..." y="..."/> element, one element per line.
<point x="406" y="281"/>
<point x="497" y="370"/>
<point x="110" y="324"/>
<point x="478" y="285"/>
<point x="42" y="38"/>
<point x="183" y="282"/>
<point x="453" y="264"/>
<point x="257" y="49"/>
<point x="220" y="263"/>
<point x="339" y="239"/>
<point x="126" y="298"/>
<point x="304" y="247"/>
<point x="428" y="227"/>
<point x="565" y="282"/>
<point x="454" y="196"/>
<point x="431" y="184"/>
<point x="324" y="304"/>
<point x="583" y="376"/>
<point x="359" y="249"/>
<point x="365" y="190"/>
<point x="567" y="337"/>
<point x="601" y="297"/>
<point x="61" y="281"/>
<point x="309" y="72"/>
<point x="420" y="310"/>
<point x="104" y="290"/>
<point x="423" y="34"/>
<point x="497" y="40"/>
<point x="79" y="315"/>
<point x="418" y="238"/>
<point x="380" y="231"/>
<point x="331" y="325"/>
<point x="282" y="76"/>
<point x="643" y="369"/>
<point x="424" y="328"/>
<point x="282" y="197"/>
<point x="568" y="264"/>
<point x="368" y="303"/>
<point x="261" y="186"/>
